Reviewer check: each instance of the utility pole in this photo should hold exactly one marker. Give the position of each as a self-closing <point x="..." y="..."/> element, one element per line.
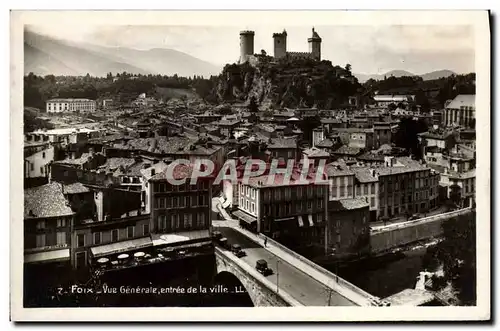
<point x="277" y="276"/>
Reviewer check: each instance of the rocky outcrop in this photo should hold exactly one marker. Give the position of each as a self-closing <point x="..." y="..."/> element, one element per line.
<point x="287" y="83"/>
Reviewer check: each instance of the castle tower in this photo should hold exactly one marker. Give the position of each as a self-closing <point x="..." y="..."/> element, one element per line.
<point x="246" y="45"/>
<point x="315" y="45"/>
<point x="279" y="44"/>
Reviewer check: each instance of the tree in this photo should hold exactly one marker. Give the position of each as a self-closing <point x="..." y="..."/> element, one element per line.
<point x="348" y="68"/>
<point x="253" y="107"/>
<point x="263" y="52"/>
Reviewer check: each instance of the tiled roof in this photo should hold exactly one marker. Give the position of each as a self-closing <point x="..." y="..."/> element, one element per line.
<point x="75" y="188"/>
<point x="280" y="180"/>
<point x="315" y="152"/>
<point x="46" y="201"/>
<point x="347" y="204"/>
<point x="336" y="169"/>
<point x="363" y="175"/>
<point x="167" y="145"/>
<point x="346" y="150"/>
<point x="84" y="158"/>
<point x="158" y="167"/>
<point x="115" y="163"/>
<point x="467" y="100"/>
<point x="180" y="171"/>
<point x="325" y="143"/>
<point x="282" y="143"/>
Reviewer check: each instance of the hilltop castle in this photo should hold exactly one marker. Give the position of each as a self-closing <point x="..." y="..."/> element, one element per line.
<point x="280" y="51"/>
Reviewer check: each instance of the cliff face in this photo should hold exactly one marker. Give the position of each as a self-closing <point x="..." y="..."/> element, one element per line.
<point x="287" y="83"/>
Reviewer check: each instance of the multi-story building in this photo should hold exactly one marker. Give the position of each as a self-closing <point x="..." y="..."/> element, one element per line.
<point x="386" y="100"/>
<point x="404" y="187"/>
<point x="48" y="222"/>
<point x="283" y="148"/>
<point x="70" y="105"/>
<point x="348" y="227"/>
<point x="341" y="181"/>
<point x="180" y="211"/>
<point x="461" y="111"/>
<point x="37" y="159"/>
<point x="367" y="188"/>
<point x="293" y="213"/>
<point x="461" y="184"/>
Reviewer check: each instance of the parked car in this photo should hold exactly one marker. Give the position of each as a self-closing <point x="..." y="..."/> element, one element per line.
<point x="216" y="235"/>
<point x="223" y="242"/>
<point x="262" y="267"/>
<point x="237" y="250"/>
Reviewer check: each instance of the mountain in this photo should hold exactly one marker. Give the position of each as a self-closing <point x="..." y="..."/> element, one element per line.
<point x="44" y="55"/>
<point x="79" y="60"/>
<point x="437" y="74"/>
<point x="162" y="61"/>
<point x="400" y="73"/>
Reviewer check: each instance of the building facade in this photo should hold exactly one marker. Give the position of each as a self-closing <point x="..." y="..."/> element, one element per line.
<point x="70" y="105"/>
<point x="461" y="111"/>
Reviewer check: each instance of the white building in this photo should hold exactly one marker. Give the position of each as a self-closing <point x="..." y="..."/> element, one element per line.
<point x="386" y="100"/>
<point x="460" y="111"/>
<point x="70" y="105"/>
<point x="37" y="161"/>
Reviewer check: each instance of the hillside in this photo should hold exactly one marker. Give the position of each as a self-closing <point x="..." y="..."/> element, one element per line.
<point x="79" y="60"/>
<point x="160" y="61"/>
<point x="287" y="83"/>
<point x="44" y="55"/>
<point x="402" y="73"/>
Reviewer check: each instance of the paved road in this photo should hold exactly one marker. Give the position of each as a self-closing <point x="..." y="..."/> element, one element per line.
<point x="299" y="285"/>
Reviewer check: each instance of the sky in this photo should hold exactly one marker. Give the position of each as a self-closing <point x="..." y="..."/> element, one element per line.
<point x="369" y="49"/>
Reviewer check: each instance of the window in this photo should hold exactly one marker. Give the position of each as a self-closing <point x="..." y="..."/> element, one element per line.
<point x="188" y="201"/>
<point x="201" y="219"/>
<point x="114" y="235"/>
<point x="365" y="189"/>
<point x="145" y="229"/>
<point x="175" y="222"/>
<point x="41" y="170"/>
<point x="40" y="240"/>
<point x="372" y="202"/>
<point x="169" y="202"/>
<point x="309" y="205"/>
<point x="174" y="202"/>
<point x="80" y="240"/>
<point x="130" y="232"/>
<point x="334" y="192"/>
<point x="252" y="208"/>
<point x="188" y="220"/>
<point x="320" y="203"/>
<point x="162" y="202"/>
<point x="61" y="222"/>
<point x="201" y="200"/>
<point x="277" y="194"/>
<point x="253" y="193"/>
<point x="97" y="238"/>
<point x="320" y="217"/>
<point x="299" y="206"/>
<point x="161" y="222"/>
<point x="32" y="166"/>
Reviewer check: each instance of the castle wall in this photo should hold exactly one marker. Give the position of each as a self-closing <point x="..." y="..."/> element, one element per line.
<point x="246" y="45"/>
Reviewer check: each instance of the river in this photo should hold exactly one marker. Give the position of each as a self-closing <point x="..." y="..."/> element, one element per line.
<point x="386" y="278"/>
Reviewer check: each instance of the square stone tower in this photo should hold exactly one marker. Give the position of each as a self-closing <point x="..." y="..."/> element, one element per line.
<point x="279" y="44"/>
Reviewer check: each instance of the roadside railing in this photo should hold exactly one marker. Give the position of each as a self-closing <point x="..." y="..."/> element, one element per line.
<point x="342" y="282"/>
<point x="422" y="220"/>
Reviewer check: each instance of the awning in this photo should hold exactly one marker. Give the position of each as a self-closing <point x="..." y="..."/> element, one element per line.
<point x="283" y="219"/>
<point x="310" y="217"/>
<point x="244" y="217"/>
<point x="178" y="237"/>
<point x="120" y="247"/>
<point x="50" y="256"/>
<point x="301" y="222"/>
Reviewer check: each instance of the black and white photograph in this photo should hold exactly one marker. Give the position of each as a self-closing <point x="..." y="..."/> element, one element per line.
<point x="251" y="160"/>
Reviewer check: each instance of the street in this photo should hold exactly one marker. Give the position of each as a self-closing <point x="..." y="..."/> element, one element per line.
<point x="299" y="285"/>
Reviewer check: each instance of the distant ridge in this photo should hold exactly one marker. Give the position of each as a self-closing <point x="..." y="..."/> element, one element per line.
<point x="45" y="55"/>
<point x="400" y="73"/>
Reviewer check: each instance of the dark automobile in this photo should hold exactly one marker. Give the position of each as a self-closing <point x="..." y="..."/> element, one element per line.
<point x="262" y="267"/>
<point x="216" y="235"/>
<point x="236" y="249"/>
<point x="223" y="242"/>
